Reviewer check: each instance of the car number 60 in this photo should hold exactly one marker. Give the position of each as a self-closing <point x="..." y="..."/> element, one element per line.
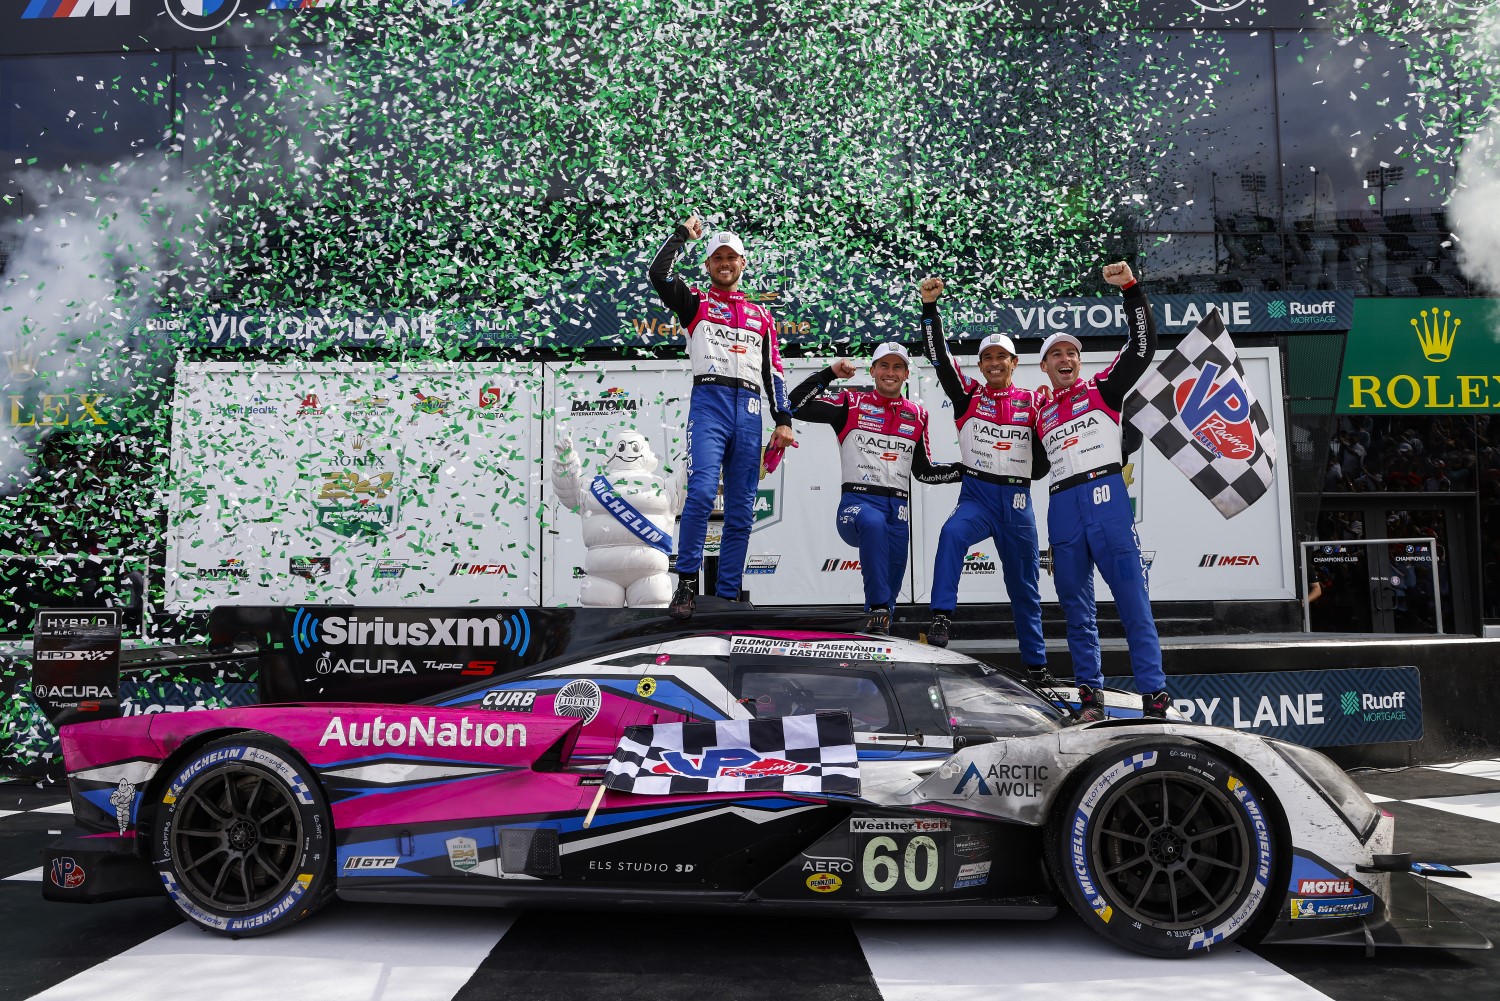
<point x="881" y="873"/>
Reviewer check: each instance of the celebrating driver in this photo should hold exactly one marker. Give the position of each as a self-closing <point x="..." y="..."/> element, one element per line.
<point x="882" y="444"/>
<point x="1089" y="518"/>
<point x="994" y="421"/>
<point x="732" y="348"/>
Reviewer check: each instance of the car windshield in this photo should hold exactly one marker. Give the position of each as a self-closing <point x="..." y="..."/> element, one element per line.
<point x="983" y="698"/>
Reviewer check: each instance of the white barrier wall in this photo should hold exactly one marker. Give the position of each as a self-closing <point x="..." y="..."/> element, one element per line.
<point x="1195" y="554"/>
<point x="354" y="482"/>
<point x="431" y="485"/>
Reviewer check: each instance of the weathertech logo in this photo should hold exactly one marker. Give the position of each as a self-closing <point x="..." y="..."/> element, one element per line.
<point x="1215" y="560"/>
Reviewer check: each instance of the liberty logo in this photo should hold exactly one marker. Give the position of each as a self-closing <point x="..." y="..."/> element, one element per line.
<point x="1436" y="335"/>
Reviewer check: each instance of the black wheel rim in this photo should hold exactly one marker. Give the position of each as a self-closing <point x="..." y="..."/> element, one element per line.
<point x="1171" y="850"/>
<point x="236" y="838"/>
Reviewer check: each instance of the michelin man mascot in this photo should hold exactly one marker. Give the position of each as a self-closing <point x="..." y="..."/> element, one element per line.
<point x="628" y="513"/>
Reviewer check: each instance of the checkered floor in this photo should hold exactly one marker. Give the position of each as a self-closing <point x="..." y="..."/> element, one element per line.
<point x="140" y="949"/>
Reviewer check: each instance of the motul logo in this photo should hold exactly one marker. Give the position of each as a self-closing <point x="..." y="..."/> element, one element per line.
<point x="1215" y="560"/>
<point x="1325" y="887"/>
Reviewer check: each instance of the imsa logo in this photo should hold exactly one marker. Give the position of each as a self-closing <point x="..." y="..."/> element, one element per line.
<point x="1215" y="560"/>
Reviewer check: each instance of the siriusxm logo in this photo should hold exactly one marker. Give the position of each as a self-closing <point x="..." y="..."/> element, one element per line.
<point x="310" y="630"/>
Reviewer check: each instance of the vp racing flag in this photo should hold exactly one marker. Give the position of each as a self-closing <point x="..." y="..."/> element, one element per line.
<point x="1198" y="410"/>
<point x="813" y="753"/>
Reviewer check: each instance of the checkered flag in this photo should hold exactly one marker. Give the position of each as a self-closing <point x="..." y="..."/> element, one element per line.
<point x="1197" y="409"/>
<point x="813" y="753"/>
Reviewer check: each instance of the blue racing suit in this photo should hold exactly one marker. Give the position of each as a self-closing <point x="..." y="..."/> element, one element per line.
<point x="882" y="445"/>
<point x="1089" y="518"/>
<point x="733" y="351"/>
<point x="995" y="440"/>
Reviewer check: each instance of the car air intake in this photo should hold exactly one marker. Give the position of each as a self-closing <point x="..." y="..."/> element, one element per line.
<point x="529" y="851"/>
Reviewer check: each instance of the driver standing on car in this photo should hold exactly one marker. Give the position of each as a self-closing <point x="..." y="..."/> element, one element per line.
<point x="1089" y="518"/>
<point x="1000" y="459"/>
<point x="733" y="351"/>
<point x="882" y="445"/>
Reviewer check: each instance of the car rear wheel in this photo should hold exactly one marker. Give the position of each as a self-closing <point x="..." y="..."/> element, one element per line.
<point x="1165" y="848"/>
<point x="242" y="837"/>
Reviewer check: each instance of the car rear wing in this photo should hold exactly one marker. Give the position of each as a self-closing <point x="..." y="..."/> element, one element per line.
<point x="75" y="664"/>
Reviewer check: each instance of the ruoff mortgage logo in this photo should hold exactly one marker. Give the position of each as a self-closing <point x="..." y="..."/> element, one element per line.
<point x="1293" y="311"/>
<point x="1374" y="708"/>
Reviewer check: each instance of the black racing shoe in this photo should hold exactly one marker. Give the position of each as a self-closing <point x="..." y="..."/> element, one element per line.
<point x="1154" y="705"/>
<point x="685" y="599"/>
<point x="937" y="633"/>
<point x="1090" y="705"/>
<point x="878" y="621"/>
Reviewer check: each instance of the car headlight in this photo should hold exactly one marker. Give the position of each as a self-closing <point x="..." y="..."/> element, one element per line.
<point x="1347" y="799"/>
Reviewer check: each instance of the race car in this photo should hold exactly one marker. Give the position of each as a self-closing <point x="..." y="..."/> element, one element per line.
<point x="727" y="764"/>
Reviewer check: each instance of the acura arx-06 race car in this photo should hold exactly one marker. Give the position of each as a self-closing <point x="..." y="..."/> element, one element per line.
<point x="754" y="769"/>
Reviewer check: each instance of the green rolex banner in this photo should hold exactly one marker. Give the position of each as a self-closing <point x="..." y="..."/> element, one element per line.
<point x="1422" y="356"/>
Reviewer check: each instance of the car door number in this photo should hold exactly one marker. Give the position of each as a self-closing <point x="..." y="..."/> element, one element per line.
<point x="889" y="866"/>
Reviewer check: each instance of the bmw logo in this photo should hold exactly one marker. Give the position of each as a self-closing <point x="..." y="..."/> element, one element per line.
<point x="202" y="15"/>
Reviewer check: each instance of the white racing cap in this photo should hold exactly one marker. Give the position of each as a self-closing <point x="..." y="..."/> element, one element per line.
<point x="998" y="341"/>
<point x="891" y="348"/>
<point x="724" y="238"/>
<point x="1060" y="338"/>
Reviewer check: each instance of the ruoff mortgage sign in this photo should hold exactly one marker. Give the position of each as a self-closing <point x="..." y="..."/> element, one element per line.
<point x="1421" y="356"/>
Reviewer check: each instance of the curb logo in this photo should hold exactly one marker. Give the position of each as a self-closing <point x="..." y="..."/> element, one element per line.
<point x="1436" y="336"/>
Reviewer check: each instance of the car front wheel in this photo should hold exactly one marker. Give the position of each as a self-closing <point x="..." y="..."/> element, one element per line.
<point x="1165" y="848"/>
<point x="242" y="838"/>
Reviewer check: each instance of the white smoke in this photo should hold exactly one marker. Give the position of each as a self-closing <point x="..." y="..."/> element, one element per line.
<point x="1475" y="205"/>
<point x="81" y="279"/>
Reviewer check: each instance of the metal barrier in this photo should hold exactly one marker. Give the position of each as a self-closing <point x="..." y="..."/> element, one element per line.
<point x="1425" y="541"/>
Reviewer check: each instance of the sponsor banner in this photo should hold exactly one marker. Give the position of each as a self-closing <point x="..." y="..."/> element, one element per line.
<point x="897" y="825"/>
<point x="771" y="646"/>
<point x="353" y="483"/>
<point x="1244" y="313"/>
<point x="1367" y="705"/>
<point x="1177" y="525"/>
<point x="76" y="664"/>
<point x="1319" y="907"/>
<point x="1421" y="356"/>
<point x="72" y="26"/>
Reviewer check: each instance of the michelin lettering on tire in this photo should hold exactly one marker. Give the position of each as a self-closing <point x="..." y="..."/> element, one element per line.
<point x="261" y="802"/>
<point x="1176" y="845"/>
<point x="1078" y="842"/>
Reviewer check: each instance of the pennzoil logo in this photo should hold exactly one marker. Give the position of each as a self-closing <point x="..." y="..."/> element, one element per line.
<point x="1436" y="335"/>
<point x="824" y="882"/>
